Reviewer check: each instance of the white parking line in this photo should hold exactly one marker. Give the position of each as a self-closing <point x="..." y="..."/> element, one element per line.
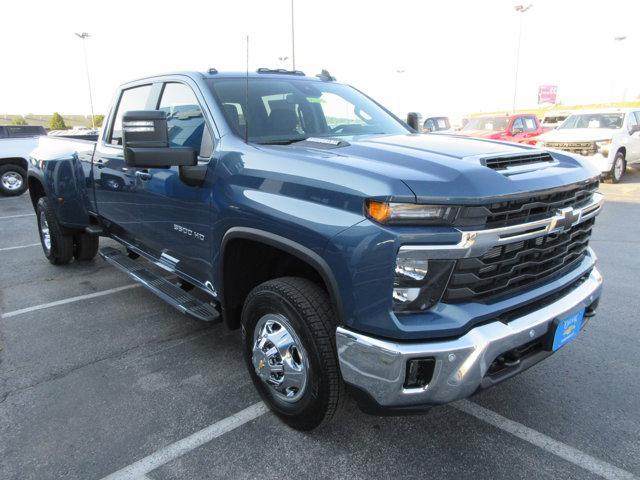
<point x="540" y="440"/>
<point x="18" y="216"/>
<point x="19" y="246"/>
<point x="139" y="469"/>
<point x="68" y="300"/>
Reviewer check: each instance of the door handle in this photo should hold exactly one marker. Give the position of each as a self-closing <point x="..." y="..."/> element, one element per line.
<point x="143" y="175"/>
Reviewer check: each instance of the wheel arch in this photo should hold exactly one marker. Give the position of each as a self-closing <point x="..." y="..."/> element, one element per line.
<point x="36" y="190"/>
<point x="290" y="254"/>
<point x="20" y="161"/>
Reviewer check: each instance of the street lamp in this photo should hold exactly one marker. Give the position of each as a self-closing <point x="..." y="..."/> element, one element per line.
<point x="293" y="39"/>
<point x="618" y="39"/>
<point x="283" y="59"/>
<point x="83" y="36"/>
<point x="521" y="9"/>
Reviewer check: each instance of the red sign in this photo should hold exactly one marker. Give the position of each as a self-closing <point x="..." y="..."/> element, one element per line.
<point x="547" y="93"/>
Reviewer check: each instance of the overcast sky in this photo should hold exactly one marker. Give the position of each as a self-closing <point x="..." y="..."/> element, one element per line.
<point x="457" y="56"/>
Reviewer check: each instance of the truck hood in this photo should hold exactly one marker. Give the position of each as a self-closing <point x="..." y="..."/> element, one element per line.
<point x="438" y="168"/>
<point x="579" y="134"/>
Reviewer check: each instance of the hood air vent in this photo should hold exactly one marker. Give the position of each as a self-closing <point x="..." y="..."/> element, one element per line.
<point x="502" y="163"/>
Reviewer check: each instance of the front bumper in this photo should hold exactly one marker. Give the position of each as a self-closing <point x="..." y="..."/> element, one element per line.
<point x="377" y="368"/>
<point x="600" y="162"/>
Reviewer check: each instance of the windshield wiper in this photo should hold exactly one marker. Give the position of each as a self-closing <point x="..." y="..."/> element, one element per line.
<point x="286" y="141"/>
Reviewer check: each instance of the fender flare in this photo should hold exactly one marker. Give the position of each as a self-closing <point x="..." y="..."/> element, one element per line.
<point x="289" y="246"/>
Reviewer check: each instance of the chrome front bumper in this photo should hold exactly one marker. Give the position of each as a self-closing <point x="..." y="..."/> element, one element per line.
<point x="378" y="367"/>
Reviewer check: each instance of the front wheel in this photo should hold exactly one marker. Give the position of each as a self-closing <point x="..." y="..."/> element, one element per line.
<point x="618" y="168"/>
<point x="13" y="180"/>
<point x="288" y="333"/>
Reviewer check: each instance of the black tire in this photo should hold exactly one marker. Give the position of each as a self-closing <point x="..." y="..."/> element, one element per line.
<point x="13" y="180"/>
<point x="60" y="250"/>
<point x="85" y="246"/>
<point x="308" y="310"/>
<point x="615" y="174"/>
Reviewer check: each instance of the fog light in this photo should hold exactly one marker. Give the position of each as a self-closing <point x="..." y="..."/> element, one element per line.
<point x="405" y="295"/>
<point x="419" y="372"/>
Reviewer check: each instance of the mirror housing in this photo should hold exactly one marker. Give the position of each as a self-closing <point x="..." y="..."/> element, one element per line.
<point x="414" y="120"/>
<point x="515" y="131"/>
<point x="145" y="141"/>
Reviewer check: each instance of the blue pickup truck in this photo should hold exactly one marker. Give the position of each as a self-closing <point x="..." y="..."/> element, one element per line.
<point x="356" y="256"/>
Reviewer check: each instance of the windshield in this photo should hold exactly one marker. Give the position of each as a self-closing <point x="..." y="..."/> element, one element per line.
<point x="487" y="123"/>
<point x="284" y="111"/>
<point x="594" y="120"/>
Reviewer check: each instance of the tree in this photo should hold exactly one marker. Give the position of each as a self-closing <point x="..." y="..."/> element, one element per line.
<point x="98" y="119"/>
<point x="57" y="122"/>
<point x="18" y="121"/>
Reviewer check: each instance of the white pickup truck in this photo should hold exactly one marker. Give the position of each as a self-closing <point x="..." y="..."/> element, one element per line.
<point x="16" y="143"/>
<point x="608" y="138"/>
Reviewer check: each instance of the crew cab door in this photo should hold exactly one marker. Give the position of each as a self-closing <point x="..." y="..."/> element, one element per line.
<point x="524" y="128"/>
<point x="633" y="143"/>
<point x="117" y="188"/>
<point x="177" y="215"/>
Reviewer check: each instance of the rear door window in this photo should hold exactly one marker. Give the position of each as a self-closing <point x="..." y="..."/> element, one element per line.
<point x="131" y="99"/>
<point x="530" y="124"/>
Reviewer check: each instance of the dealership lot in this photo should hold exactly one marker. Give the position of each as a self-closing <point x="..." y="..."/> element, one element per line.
<point x="97" y="374"/>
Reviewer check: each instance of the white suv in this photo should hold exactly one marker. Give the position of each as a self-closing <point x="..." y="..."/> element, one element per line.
<point x="609" y="138"/>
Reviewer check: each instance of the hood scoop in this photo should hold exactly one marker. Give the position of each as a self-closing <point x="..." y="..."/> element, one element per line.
<point x="511" y="163"/>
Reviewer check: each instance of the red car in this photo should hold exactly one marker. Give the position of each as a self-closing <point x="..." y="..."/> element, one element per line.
<point x="519" y="128"/>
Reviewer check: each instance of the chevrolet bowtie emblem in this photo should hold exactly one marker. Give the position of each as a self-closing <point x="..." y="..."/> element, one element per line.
<point x="564" y="219"/>
<point x="260" y="364"/>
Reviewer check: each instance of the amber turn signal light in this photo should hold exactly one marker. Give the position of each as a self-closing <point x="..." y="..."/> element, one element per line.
<point x="379" y="211"/>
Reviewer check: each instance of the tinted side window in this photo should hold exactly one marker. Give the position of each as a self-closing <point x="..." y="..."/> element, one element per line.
<point x="185" y="120"/>
<point x="638" y="117"/>
<point x="633" y="119"/>
<point x="530" y="124"/>
<point x="131" y="99"/>
<point x="25" y="131"/>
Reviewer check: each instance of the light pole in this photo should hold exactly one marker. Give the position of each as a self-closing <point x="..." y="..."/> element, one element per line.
<point x="618" y="39"/>
<point x="83" y="36"/>
<point x="293" y="38"/>
<point x="520" y="9"/>
<point x="400" y="89"/>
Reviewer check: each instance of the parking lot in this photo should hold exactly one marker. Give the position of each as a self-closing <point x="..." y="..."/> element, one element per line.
<point x="100" y="377"/>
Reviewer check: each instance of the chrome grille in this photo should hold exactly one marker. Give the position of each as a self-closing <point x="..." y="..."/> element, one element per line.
<point x="581" y="148"/>
<point x="527" y="209"/>
<point x="513" y="266"/>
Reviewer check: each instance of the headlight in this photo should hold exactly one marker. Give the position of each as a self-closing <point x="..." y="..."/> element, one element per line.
<point x="603" y="147"/>
<point x="419" y="282"/>
<point x="409" y="213"/>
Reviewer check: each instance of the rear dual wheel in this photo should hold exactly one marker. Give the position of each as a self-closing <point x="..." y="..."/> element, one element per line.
<point x="60" y="245"/>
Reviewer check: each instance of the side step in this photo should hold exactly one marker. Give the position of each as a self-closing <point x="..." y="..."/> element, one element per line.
<point x="170" y="293"/>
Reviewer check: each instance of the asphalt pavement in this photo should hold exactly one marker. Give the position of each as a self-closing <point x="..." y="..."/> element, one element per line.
<point x="99" y="377"/>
